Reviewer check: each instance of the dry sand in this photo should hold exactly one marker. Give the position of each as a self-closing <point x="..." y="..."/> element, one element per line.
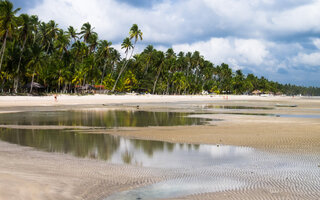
<point x="56" y="176"/>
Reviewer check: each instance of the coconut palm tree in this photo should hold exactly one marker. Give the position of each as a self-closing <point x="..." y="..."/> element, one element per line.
<point x="127" y="45"/>
<point x="161" y="60"/>
<point x="62" y="42"/>
<point x="115" y="58"/>
<point x="149" y="51"/>
<point x="37" y="61"/>
<point x="104" y="52"/>
<point x="93" y="42"/>
<point x="52" y="33"/>
<point x="8" y="23"/>
<point x="86" y="31"/>
<point x="135" y="33"/>
<point x="73" y="33"/>
<point x="34" y="21"/>
<point x="24" y="33"/>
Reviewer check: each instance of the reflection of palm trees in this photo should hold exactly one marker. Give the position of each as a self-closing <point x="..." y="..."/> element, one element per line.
<point x="127" y="157"/>
<point x="76" y="143"/>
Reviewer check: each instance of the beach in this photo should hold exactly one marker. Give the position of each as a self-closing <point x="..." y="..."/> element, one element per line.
<point x="291" y="129"/>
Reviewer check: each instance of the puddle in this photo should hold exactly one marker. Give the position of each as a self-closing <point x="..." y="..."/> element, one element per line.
<point x="109" y="119"/>
<point x="120" y="150"/>
<point x="301" y="116"/>
<point x="237" y="107"/>
<point x="179" y="187"/>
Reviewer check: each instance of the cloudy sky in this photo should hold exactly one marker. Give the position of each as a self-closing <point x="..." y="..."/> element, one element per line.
<point x="278" y="39"/>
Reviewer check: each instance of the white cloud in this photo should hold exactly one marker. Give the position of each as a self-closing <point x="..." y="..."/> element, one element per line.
<point x="312" y="59"/>
<point x="172" y="21"/>
<point x="316" y="42"/>
<point x="299" y="19"/>
<point x="236" y="52"/>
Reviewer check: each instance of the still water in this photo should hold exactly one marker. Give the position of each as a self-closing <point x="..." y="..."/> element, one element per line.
<point x="117" y="149"/>
<point x="109" y="119"/>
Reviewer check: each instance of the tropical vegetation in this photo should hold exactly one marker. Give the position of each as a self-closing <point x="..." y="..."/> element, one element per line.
<point x="64" y="60"/>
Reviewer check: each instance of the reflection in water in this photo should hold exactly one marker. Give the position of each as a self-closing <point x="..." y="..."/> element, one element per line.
<point x="110" y="118"/>
<point x="81" y="145"/>
<point x="116" y="149"/>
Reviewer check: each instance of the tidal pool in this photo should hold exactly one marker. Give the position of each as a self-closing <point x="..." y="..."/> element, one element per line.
<point x="300" y="116"/>
<point x="117" y="149"/>
<point x="109" y="118"/>
<point x="237" y="107"/>
<point x="177" y="187"/>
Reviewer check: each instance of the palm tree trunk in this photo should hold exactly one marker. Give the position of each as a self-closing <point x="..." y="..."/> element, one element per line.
<point x="122" y="69"/>
<point x="104" y="69"/>
<point x="48" y="48"/>
<point x="34" y="70"/>
<point x="115" y="84"/>
<point x="16" y="80"/>
<point x="155" y="82"/>
<point x="3" y="48"/>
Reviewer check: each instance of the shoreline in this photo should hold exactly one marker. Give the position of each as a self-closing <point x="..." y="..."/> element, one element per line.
<point x="100" y="99"/>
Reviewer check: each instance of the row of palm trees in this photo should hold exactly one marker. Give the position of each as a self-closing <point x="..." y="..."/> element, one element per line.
<point x="62" y="60"/>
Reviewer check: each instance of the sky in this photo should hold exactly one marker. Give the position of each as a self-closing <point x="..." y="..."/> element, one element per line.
<point x="277" y="39"/>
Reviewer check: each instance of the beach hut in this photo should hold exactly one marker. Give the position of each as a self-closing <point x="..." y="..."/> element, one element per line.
<point x="37" y="87"/>
<point x="86" y="88"/>
<point x="256" y="92"/>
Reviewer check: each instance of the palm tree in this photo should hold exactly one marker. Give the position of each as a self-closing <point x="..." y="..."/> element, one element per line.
<point x="115" y="58"/>
<point x="62" y="42"/>
<point x="161" y="58"/>
<point x="36" y="62"/>
<point x="34" y="21"/>
<point x="52" y="33"/>
<point x="8" y="23"/>
<point x="127" y="45"/>
<point x="73" y="33"/>
<point x="86" y="31"/>
<point x="25" y="31"/>
<point x="93" y="42"/>
<point x="149" y="51"/>
<point x="135" y="33"/>
<point x="104" y="52"/>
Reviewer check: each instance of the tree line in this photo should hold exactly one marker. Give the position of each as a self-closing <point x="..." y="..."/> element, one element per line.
<point x="64" y="60"/>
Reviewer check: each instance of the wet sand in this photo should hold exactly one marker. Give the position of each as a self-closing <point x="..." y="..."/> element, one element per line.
<point x="57" y="176"/>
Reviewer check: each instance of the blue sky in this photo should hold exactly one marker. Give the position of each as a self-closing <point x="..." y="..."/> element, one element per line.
<point x="278" y="39"/>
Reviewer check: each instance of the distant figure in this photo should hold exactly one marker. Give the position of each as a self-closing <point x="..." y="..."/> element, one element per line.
<point x="55" y="97"/>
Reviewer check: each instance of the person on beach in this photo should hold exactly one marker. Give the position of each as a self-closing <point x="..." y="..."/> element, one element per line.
<point x="55" y="97"/>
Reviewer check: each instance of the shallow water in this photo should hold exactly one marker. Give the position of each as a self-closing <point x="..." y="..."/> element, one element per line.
<point x="237" y="107"/>
<point x="300" y="116"/>
<point x="176" y="187"/>
<point x="109" y="119"/>
<point x="117" y="149"/>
